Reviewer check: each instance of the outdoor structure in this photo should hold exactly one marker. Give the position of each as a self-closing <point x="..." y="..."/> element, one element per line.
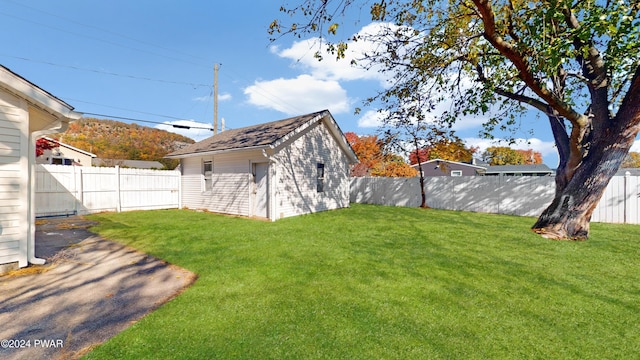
<point x="519" y="170"/>
<point x="439" y="167"/>
<point x="27" y="113"/>
<point x="65" y="154"/>
<point x="274" y="170"/>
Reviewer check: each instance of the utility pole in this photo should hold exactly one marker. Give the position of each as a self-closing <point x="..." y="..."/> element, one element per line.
<point x="215" y="99"/>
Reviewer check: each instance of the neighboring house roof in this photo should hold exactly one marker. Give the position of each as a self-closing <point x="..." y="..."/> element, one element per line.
<point x="265" y="136"/>
<point x="520" y="169"/>
<point x="438" y="161"/>
<point x="137" y="164"/>
<point x="632" y="171"/>
<point x="70" y="147"/>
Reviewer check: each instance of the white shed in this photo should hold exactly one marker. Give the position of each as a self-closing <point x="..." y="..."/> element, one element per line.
<point x="274" y="170"/>
<point x="27" y="112"/>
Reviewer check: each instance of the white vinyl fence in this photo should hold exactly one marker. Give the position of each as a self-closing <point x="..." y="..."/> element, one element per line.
<point x="523" y="196"/>
<point x="68" y="190"/>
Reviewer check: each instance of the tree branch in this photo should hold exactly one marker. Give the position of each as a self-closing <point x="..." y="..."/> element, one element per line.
<point x="514" y="96"/>
<point x="525" y="74"/>
<point x="593" y="67"/>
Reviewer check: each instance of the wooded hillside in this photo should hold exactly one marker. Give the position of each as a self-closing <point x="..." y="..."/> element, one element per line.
<point x="110" y="139"/>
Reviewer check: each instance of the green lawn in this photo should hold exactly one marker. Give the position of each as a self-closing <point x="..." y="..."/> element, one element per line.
<point x="374" y="282"/>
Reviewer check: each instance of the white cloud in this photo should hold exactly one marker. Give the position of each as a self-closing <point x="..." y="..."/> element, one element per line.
<point x="202" y="98"/>
<point x="194" y="132"/>
<point x="303" y="94"/>
<point x="302" y="53"/>
<point x="636" y="146"/>
<point x="208" y="98"/>
<point x="371" y="119"/>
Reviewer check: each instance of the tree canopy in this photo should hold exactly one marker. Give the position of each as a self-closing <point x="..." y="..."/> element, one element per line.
<point x="447" y="149"/>
<point x="504" y="155"/>
<point x="574" y="61"/>
<point x="43" y="145"/>
<point x="374" y="160"/>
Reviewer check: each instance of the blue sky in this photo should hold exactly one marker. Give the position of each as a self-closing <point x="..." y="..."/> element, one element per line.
<point x="153" y="60"/>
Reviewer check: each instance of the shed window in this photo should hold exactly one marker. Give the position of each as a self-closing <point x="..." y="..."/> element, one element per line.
<point x="61" y="161"/>
<point x="320" y="179"/>
<point x="456" y="172"/>
<point x="207" y="170"/>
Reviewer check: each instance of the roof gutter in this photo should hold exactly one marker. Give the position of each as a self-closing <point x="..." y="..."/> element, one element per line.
<point x="214" y="152"/>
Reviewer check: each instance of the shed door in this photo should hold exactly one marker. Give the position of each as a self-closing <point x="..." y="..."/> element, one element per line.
<point x="260" y="193"/>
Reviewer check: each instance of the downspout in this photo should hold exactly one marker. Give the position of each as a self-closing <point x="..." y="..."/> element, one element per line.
<point x="31" y="236"/>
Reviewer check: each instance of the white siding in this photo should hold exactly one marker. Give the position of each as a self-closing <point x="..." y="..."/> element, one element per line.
<point x="231" y="190"/>
<point x="296" y="175"/>
<point x="64" y="152"/>
<point x="13" y="180"/>
<point x="236" y="162"/>
<point x="291" y="181"/>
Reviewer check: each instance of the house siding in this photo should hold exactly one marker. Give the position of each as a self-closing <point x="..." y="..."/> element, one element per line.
<point x="295" y="175"/>
<point x="64" y="152"/>
<point x="232" y="183"/>
<point x="270" y="170"/>
<point x="14" y="169"/>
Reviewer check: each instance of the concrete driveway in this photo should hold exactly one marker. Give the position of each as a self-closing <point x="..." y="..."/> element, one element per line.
<point x="89" y="290"/>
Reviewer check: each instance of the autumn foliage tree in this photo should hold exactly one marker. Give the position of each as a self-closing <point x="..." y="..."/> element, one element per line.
<point x="504" y="155"/>
<point x="576" y="62"/>
<point x="110" y="139"/>
<point x="632" y="160"/>
<point x="43" y="144"/>
<point x="446" y="149"/>
<point x="374" y="160"/>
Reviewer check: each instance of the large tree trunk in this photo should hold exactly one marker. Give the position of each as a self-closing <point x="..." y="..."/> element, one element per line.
<point x="579" y="190"/>
<point x="568" y="215"/>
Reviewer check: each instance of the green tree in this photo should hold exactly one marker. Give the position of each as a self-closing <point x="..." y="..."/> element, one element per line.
<point x="574" y="61"/>
<point x="503" y="155"/>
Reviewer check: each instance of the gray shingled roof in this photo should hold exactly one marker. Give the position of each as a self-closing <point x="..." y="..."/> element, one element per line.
<point x="248" y="137"/>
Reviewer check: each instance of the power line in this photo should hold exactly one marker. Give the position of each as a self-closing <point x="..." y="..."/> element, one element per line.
<point x="106" y="72"/>
<point x="101" y="40"/>
<point x="69" y="20"/>
<point x="177" y="126"/>
<point x="125" y="109"/>
<point x="258" y="88"/>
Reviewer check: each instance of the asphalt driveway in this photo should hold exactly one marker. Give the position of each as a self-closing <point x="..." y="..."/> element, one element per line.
<point x="89" y="290"/>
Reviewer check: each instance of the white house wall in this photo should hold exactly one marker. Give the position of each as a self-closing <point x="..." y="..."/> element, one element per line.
<point x="14" y="169"/>
<point x="232" y="184"/>
<point x="296" y="175"/>
<point x="64" y="152"/>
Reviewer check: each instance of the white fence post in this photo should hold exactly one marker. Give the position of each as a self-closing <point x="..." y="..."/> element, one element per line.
<point x="118" y="201"/>
<point x="627" y="192"/>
